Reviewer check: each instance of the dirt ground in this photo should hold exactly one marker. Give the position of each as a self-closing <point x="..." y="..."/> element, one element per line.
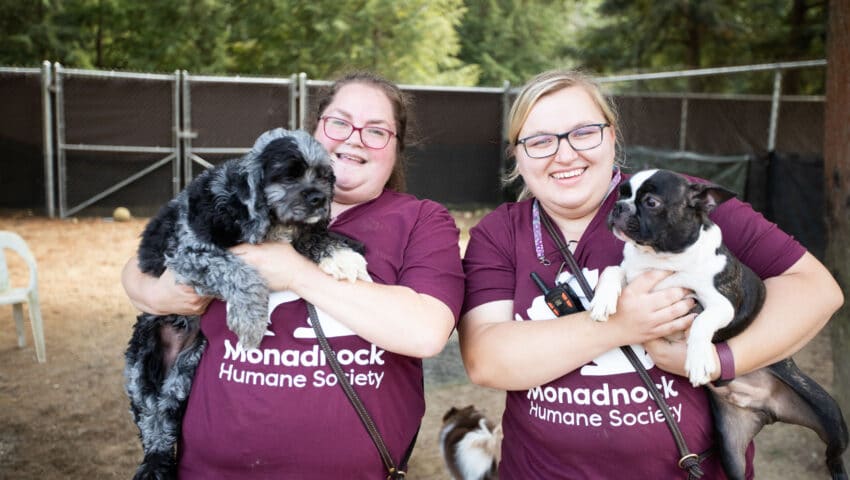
<point x="68" y="418"/>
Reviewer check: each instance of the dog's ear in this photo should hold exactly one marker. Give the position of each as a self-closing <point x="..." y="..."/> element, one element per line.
<point x="449" y="413"/>
<point x="707" y="196"/>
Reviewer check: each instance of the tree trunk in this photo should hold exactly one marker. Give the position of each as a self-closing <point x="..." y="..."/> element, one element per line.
<point x="837" y="183"/>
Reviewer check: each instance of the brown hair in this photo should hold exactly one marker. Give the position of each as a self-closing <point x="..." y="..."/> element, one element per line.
<point x="538" y="87"/>
<point x="399" y="102"/>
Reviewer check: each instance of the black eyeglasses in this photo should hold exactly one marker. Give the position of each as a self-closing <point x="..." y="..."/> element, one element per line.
<point x="582" y="138"/>
<point x="375" y="138"/>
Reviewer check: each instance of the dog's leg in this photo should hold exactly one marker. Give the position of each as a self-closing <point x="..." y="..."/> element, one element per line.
<point x="778" y="393"/>
<point x="735" y="425"/>
<point x="717" y="313"/>
<point x="158" y="377"/>
<point x="336" y="255"/>
<point x="801" y="401"/>
<point x="220" y="273"/>
<point x="345" y="264"/>
<point x="604" y="303"/>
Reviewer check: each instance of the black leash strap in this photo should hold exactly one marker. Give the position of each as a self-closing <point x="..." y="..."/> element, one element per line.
<point x="688" y="461"/>
<point x="394" y="472"/>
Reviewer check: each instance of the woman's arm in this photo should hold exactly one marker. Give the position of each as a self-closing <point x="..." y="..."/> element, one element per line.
<point x="502" y="353"/>
<point x="160" y="295"/>
<point x="798" y="304"/>
<point x="395" y="318"/>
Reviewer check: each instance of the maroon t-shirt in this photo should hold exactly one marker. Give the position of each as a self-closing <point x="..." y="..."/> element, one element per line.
<point x="599" y="421"/>
<point x="277" y="411"/>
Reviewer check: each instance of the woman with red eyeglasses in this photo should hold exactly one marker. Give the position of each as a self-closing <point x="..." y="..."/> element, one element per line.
<point x="278" y="412"/>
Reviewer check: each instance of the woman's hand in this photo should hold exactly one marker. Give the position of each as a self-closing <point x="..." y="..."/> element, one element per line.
<point x="161" y="295"/>
<point x="669" y="354"/>
<point x="277" y="262"/>
<point x="644" y="314"/>
<point x="177" y="297"/>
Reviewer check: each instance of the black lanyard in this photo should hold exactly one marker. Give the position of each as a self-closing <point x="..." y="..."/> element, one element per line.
<point x="394" y="472"/>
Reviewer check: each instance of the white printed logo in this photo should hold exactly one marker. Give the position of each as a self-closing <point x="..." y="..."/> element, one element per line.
<point x="330" y="326"/>
<point x="612" y="362"/>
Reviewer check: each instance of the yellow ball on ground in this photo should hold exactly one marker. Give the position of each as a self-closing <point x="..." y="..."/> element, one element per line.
<point x="121" y="214"/>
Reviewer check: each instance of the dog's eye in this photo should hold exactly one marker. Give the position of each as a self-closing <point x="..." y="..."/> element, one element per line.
<point x="290" y="170"/>
<point x="651" y="202"/>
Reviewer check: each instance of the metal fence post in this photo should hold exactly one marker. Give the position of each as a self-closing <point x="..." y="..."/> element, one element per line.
<point x="683" y="125"/>
<point x="506" y="108"/>
<point x="302" y="99"/>
<point x="774" y="110"/>
<point x="47" y="127"/>
<point x="293" y="101"/>
<point x="504" y="161"/>
<point x="60" y="138"/>
<point x="181" y="158"/>
<point x="186" y="134"/>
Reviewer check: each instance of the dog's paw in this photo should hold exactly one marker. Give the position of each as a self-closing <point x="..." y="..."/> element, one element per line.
<point x="604" y="303"/>
<point x="602" y="308"/>
<point x="249" y="324"/>
<point x="157" y="466"/>
<point x="345" y="264"/>
<point x="700" y="364"/>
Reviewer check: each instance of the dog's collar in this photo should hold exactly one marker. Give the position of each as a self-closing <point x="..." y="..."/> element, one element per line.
<point x="535" y="219"/>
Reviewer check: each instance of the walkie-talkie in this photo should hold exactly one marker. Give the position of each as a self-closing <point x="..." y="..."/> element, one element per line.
<point x="560" y="299"/>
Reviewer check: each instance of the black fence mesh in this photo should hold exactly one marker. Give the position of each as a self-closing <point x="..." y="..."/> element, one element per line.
<point x="122" y="112"/>
<point x="456" y="157"/>
<point x="21" y="141"/>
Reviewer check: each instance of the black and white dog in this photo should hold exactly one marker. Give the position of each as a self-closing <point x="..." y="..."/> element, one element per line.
<point x="280" y="190"/>
<point x="663" y="218"/>
<point x="469" y="444"/>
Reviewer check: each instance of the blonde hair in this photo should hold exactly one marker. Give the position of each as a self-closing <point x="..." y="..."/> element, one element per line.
<point x="538" y="87"/>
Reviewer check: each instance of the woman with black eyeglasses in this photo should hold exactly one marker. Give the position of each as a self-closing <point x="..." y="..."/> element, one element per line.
<point x="575" y="406"/>
<point x="277" y="411"/>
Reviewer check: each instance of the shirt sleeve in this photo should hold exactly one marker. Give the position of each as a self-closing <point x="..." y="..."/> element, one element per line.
<point x="489" y="261"/>
<point x="755" y="241"/>
<point x="432" y="262"/>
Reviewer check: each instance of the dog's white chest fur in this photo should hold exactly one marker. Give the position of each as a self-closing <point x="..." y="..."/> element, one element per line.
<point x="695" y="269"/>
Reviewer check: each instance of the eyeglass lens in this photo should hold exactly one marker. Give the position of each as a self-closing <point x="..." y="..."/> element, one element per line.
<point x="372" y="137"/>
<point x="582" y="138"/>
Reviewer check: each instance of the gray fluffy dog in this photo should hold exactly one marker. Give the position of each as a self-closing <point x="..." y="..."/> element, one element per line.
<point x="280" y="190"/>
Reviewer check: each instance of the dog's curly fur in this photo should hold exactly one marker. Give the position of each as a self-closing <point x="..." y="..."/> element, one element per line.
<point x="280" y="190"/>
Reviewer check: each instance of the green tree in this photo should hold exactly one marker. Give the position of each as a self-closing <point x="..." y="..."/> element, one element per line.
<point x="515" y="39"/>
<point x="27" y="32"/>
<point x="411" y="42"/>
<point x="156" y="35"/>
<point x="658" y="35"/>
<point x="161" y="35"/>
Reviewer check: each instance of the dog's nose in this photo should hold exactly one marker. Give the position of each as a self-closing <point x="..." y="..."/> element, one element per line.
<point x="617" y="210"/>
<point x="314" y="197"/>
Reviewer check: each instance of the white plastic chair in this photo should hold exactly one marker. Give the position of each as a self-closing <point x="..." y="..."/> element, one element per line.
<point x="18" y="296"/>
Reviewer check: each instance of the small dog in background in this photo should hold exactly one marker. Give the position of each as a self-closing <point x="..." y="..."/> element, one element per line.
<point x="280" y="191"/>
<point x="470" y="444"/>
<point x="663" y="220"/>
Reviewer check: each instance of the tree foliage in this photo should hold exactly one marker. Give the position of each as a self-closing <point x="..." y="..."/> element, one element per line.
<point x="414" y="41"/>
<point x="514" y="39"/>
<point x="449" y="42"/>
<point x="655" y="35"/>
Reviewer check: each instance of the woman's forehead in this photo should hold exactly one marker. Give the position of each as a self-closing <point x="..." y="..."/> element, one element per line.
<point x="565" y="109"/>
<point x="362" y="103"/>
